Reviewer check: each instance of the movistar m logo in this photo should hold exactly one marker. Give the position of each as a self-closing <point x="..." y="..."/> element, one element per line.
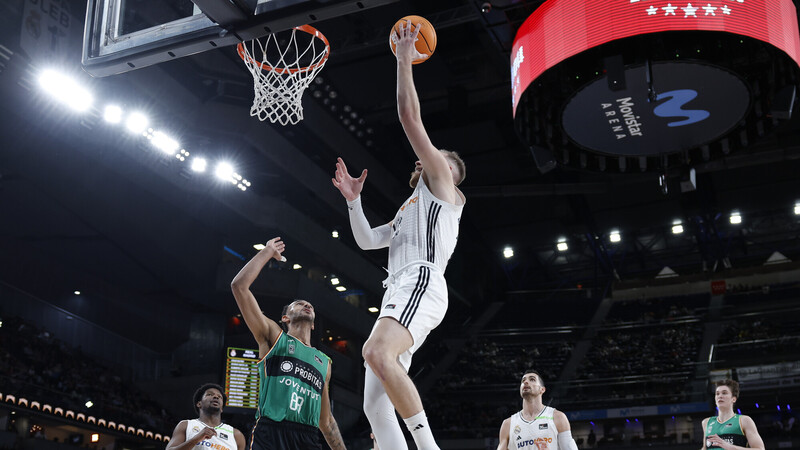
<point x="673" y="107"/>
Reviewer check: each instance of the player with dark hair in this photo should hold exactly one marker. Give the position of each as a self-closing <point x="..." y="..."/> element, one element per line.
<point x="208" y="402"/>
<point x="536" y="425"/>
<point x="729" y="430"/>
<point x="421" y="238"/>
<point x="293" y="398"/>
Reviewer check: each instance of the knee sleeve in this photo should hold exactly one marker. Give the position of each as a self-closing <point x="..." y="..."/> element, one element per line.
<point x="380" y="413"/>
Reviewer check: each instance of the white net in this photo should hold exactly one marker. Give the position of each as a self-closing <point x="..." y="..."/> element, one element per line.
<point x="282" y="70"/>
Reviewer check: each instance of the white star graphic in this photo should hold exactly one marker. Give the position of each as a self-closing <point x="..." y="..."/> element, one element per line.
<point x="710" y="9"/>
<point x="669" y="9"/>
<point x="651" y="11"/>
<point x="689" y="10"/>
<point x="726" y="10"/>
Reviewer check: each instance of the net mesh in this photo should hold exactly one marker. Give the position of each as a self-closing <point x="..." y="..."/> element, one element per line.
<point x="282" y="70"/>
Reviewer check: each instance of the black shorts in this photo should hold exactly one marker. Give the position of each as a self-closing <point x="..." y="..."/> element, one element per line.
<point x="271" y="435"/>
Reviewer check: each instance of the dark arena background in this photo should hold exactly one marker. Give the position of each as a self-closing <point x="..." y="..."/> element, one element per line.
<point x="632" y="228"/>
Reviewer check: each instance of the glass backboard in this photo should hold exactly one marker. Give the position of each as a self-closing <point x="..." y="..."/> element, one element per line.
<point x="123" y="35"/>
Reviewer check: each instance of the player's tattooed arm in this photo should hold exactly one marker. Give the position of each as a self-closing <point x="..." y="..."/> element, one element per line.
<point x="332" y="435"/>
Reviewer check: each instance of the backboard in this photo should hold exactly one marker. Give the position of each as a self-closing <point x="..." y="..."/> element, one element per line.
<point x="123" y="35"/>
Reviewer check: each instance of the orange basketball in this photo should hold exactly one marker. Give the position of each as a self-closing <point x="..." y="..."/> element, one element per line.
<point x="426" y="41"/>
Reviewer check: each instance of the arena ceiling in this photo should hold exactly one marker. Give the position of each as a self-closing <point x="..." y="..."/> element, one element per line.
<point x="87" y="207"/>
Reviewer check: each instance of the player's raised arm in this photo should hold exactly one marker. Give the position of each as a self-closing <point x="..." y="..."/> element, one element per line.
<point x="264" y="330"/>
<point x="434" y="163"/>
<point x="366" y="237"/>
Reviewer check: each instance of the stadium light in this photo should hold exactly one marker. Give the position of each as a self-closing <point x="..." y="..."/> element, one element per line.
<point x="77" y="292"/>
<point x="373" y="309"/>
<point x="614" y="236"/>
<point x="164" y="143"/>
<point x="199" y="164"/>
<point x="677" y="227"/>
<point x="508" y="252"/>
<point x="297" y="266"/>
<point x="562" y="244"/>
<point x="224" y="171"/>
<point x="334" y="281"/>
<point x="797" y="209"/>
<point x="136" y="122"/>
<point x="736" y="218"/>
<point x="259" y="246"/>
<point x="112" y="114"/>
<point x="89" y="403"/>
<point x="66" y="90"/>
<point x="341" y="288"/>
<point x="95" y="437"/>
<point x="335" y="234"/>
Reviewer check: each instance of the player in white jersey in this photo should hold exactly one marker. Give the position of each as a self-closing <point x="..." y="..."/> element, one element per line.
<point x="421" y="239"/>
<point x="535" y="427"/>
<point x="207" y="431"/>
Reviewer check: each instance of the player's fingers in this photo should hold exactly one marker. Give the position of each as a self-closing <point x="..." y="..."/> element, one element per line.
<point x="416" y="30"/>
<point x="363" y="176"/>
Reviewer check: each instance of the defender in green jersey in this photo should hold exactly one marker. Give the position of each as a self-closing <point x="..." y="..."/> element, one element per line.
<point x="293" y="399"/>
<point x="729" y="430"/>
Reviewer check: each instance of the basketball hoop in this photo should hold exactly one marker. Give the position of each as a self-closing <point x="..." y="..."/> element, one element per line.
<point x="283" y="71"/>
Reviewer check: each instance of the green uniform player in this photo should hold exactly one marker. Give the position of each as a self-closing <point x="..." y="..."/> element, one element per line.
<point x="293" y="398"/>
<point x="292" y="376"/>
<point x="728" y="430"/>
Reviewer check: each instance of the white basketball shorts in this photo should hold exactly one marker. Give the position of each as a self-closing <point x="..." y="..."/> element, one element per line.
<point x="417" y="298"/>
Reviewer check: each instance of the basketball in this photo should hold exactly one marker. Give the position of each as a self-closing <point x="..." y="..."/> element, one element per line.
<point x="426" y="41"/>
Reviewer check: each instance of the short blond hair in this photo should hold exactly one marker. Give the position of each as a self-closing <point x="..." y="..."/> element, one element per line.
<point x="458" y="162"/>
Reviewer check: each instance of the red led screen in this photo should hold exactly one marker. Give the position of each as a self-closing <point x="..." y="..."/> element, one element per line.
<point x="560" y="29"/>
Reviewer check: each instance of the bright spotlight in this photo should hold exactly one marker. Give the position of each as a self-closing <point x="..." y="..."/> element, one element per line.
<point x="95" y="437"/>
<point x="797" y="209"/>
<point x="77" y="292"/>
<point x="165" y="143"/>
<point x="66" y="90"/>
<point x="335" y="234"/>
<point x="334" y="281"/>
<point x="136" y="123"/>
<point x="89" y="404"/>
<point x="199" y="164"/>
<point x="562" y="244"/>
<point x="677" y="226"/>
<point x="297" y="266"/>
<point x="341" y="288"/>
<point x="736" y="218"/>
<point x="259" y="246"/>
<point x="614" y="236"/>
<point x="224" y="171"/>
<point x="112" y="114"/>
<point x="373" y="309"/>
<point x="508" y="252"/>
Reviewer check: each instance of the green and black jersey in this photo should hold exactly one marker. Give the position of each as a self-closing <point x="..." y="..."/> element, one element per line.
<point x="730" y="431"/>
<point x="292" y="376"/>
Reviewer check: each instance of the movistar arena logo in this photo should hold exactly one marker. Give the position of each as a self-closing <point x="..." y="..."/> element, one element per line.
<point x="673" y="107"/>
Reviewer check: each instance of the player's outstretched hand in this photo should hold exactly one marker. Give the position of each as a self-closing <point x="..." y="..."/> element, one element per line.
<point x="277" y="247"/>
<point x="349" y="187"/>
<point x="406" y="49"/>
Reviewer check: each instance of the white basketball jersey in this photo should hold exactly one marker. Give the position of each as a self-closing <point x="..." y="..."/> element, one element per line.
<point x="424" y="229"/>
<point x="538" y="434"/>
<point x="224" y="440"/>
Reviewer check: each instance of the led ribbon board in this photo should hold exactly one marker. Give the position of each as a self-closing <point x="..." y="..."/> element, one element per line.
<point x="559" y="29"/>
<point x="686" y="75"/>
